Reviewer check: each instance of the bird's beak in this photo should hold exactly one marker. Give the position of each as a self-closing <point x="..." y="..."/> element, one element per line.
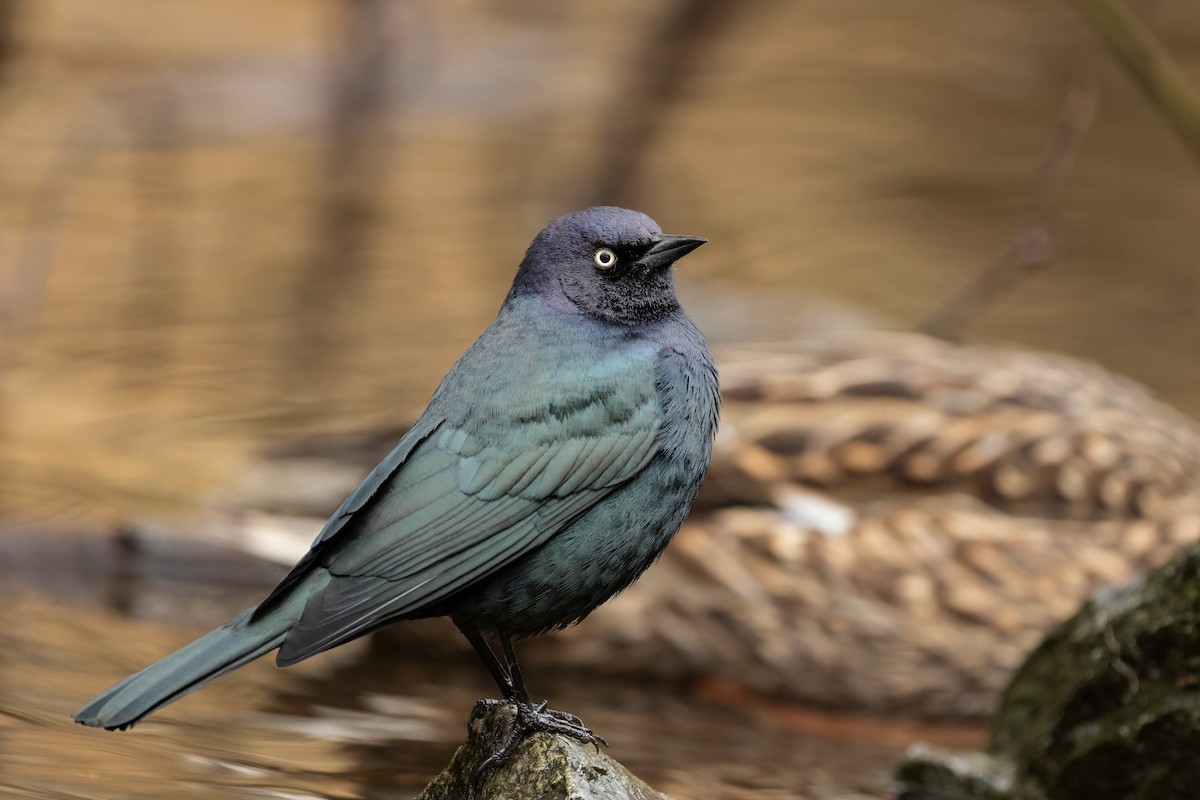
<point x="669" y="249"/>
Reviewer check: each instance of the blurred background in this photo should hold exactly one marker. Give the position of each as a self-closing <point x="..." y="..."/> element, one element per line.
<point x="226" y="226"/>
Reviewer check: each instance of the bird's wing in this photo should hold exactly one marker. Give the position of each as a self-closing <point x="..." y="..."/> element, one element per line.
<point x="465" y="502"/>
<point x="382" y="472"/>
<point x="355" y="502"/>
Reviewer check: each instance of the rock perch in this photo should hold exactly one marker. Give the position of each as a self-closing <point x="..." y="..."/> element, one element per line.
<point x="544" y="767"/>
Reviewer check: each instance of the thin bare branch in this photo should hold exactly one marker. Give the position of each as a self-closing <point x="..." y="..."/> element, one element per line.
<point x="355" y="166"/>
<point x="1038" y="242"/>
<point x="1160" y="77"/>
<point x="154" y="293"/>
<point x="655" y="79"/>
<point x="26" y="279"/>
<point x="8" y="33"/>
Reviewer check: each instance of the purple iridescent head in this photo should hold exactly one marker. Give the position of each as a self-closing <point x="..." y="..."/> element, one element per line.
<point x="609" y="263"/>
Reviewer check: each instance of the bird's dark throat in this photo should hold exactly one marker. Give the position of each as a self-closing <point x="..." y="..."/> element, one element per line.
<point x="635" y="296"/>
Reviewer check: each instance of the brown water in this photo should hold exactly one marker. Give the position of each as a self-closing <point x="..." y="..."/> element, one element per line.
<point x="364" y="722"/>
<point x="849" y="161"/>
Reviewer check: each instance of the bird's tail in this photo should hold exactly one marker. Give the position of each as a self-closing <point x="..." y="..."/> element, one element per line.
<point x="237" y="642"/>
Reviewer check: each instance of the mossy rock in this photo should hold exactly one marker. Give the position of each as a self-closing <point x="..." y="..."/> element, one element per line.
<point x="1106" y="708"/>
<point x="544" y="767"/>
<point x="947" y="775"/>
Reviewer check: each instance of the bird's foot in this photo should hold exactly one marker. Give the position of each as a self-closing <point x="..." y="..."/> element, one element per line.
<point x="483" y="708"/>
<point x="528" y="720"/>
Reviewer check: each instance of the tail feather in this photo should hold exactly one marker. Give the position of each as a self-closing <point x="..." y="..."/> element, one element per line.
<point x="223" y="650"/>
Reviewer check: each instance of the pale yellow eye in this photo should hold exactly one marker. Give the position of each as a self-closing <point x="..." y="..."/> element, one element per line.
<point x="605" y="258"/>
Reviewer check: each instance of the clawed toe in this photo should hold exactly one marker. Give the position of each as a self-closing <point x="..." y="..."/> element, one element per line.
<point x="566" y="717"/>
<point x="481" y="709"/>
<point x="534" y="719"/>
<point x="528" y="720"/>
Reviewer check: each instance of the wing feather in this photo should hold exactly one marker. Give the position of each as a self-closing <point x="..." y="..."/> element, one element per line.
<point x="457" y="501"/>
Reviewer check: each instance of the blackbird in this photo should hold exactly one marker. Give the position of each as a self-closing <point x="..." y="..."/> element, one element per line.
<point x="552" y="466"/>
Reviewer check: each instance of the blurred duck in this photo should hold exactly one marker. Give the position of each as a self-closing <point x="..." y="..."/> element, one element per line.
<point x="890" y="522"/>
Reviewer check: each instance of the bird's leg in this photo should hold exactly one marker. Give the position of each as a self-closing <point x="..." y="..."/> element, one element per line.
<point x="520" y="693"/>
<point x="529" y="718"/>
<point x="499" y="673"/>
<point x="532" y="719"/>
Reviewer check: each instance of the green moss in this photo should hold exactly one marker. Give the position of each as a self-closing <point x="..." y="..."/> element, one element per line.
<point x="544" y="767"/>
<point x="1106" y="708"/>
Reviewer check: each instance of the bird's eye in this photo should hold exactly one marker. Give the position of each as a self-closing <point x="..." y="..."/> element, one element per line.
<point x="605" y="258"/>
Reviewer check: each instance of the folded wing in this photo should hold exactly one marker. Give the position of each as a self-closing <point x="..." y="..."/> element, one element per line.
<point x="459" y="504"/>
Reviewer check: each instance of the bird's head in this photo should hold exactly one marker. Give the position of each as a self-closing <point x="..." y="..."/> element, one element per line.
<point x="609" y="263"/>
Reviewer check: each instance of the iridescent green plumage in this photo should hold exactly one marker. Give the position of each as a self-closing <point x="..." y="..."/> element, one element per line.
<point x="554" y="463"/>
